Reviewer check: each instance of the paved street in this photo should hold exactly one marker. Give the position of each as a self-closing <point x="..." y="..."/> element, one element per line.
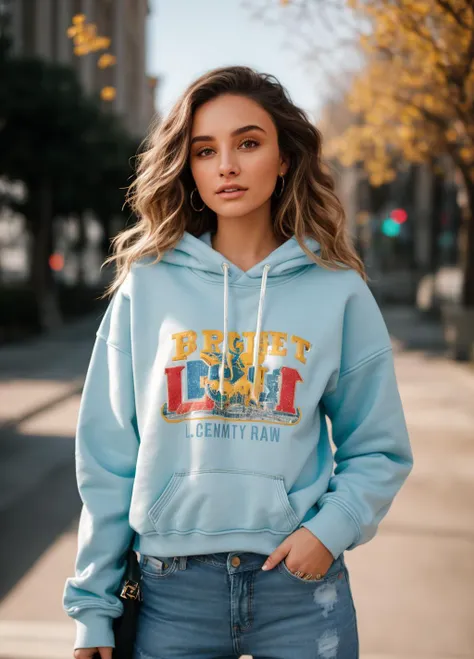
<point x="413" y="584"/>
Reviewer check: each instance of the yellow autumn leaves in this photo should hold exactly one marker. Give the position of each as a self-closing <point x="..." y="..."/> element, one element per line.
<point x="414" y="97"/>
<point x="86" y="40"/>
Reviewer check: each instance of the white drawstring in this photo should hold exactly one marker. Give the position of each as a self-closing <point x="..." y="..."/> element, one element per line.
<point x="225" y="267"/>
<point x="256" y="347"/>
<point x="258" y="331"/>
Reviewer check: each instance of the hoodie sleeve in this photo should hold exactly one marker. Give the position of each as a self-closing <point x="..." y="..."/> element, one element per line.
<point x="373" y="454"/>
<point x="106" y="454"/>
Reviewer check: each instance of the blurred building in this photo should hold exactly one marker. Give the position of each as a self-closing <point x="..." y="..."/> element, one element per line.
<point x="428" y="245"/>
<point x="39" y="27"/>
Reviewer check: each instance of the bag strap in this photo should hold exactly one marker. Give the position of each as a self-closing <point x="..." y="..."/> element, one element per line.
<point x="132" y="575"/>
<point x="132" y="569"/>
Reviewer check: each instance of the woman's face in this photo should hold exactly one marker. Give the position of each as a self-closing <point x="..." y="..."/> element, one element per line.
<point x="249" y="158"/>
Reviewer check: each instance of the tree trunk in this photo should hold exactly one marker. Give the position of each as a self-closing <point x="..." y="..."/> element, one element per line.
<point x="437" y="197"/>
<point x="467" y="299"/>
<point x="81" y="248"/>
<point x="42" y="281"/>
<point x="106" y="222"/>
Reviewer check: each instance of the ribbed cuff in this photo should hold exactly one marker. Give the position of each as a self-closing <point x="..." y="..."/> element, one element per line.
<point x="94" y="630"/>
<point x="334" y="528"/>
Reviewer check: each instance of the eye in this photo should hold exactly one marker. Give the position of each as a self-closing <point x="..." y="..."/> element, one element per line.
<point x="201" y="152"/>
<point x="249" y="139"/>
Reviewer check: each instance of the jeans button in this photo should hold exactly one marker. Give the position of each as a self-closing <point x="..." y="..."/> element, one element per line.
<point x="235" y="561"/>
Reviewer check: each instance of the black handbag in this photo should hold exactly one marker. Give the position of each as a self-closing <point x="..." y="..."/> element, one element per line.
<point x="125" y="626"/>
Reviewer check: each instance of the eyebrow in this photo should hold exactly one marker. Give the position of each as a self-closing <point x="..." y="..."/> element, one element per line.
<point x="238" y="131"/>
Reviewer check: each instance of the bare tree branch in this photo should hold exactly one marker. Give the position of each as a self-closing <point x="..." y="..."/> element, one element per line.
<point x="319" y="33"/>
<point x="455" y="13"/>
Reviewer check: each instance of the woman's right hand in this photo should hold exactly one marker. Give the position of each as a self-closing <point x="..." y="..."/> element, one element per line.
<point x="89" y="653"/>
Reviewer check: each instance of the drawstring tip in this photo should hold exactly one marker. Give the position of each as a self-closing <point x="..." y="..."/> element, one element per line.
<point x="254" y="398"/>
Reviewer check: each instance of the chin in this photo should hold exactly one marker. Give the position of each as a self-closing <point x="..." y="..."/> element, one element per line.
<point x="234" y="210"/>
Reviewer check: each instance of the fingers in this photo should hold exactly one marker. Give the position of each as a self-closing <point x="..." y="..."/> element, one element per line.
<point x="93" y="653"/>
<point x="276" y="556"/>
<point x="87" y="653"/>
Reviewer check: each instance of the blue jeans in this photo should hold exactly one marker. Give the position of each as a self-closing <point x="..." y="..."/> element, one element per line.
<point x="217" y="606"/>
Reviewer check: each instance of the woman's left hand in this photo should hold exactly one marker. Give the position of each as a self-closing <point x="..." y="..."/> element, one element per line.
<point x="304" y="551"/>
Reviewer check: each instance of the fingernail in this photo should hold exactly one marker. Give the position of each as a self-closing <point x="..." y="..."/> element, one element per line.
<point x="265" y="566"/>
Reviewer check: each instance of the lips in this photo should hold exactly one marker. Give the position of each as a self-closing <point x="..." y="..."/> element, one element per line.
<point x="237" y="194"/>
<point x="231" y="187"/>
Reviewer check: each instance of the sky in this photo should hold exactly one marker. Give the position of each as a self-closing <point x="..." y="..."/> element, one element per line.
<point x="185" y="38"/>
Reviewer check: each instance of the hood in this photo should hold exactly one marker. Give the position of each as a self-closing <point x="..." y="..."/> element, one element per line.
<point x="199" y="255"/>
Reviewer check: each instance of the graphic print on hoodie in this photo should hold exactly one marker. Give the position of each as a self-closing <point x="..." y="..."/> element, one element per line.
<point x="203" y="420"/>
<point x="270" y="397"/>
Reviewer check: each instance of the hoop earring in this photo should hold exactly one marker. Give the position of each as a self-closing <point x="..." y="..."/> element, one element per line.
<point x="198" y="210"/>
<point x="282" y="186"/>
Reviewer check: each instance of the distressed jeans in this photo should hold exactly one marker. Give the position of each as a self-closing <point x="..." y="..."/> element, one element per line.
<point x="217" y="606"/>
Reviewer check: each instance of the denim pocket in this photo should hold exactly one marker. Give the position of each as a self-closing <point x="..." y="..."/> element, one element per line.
<point x="332" y="572"/>
<point x="157" y="567"/>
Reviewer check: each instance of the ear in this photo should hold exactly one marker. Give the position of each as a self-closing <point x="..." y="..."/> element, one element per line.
<point x="284" y="165"/>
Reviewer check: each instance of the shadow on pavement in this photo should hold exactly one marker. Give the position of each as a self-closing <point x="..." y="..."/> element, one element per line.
<point x="38" y="500"/>
<point x="38" y="492"/>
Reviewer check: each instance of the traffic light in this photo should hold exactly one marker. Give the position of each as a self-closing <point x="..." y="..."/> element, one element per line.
<point x="390" y="227"/>
<point x="399" y="215"/>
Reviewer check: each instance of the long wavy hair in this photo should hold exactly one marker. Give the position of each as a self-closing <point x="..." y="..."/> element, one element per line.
<point x="160" y="193"/>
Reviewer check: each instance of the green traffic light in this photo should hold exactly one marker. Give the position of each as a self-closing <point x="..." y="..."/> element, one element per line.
<point x="390" y="227"/>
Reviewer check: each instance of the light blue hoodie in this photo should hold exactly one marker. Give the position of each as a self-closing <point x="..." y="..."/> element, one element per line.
<point x="199" y="459"/>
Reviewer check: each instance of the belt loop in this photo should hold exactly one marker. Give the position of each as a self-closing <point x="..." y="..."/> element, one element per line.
<point x="182" y="562"/>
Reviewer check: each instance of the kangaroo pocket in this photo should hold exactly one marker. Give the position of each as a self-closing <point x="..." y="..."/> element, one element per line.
<point x="222" y="501"/>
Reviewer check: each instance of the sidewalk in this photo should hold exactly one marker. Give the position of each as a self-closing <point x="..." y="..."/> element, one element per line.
<point x="413" y="584"/>
<point x="42" y="371"/>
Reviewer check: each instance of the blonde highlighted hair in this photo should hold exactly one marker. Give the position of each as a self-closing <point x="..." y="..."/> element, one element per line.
<point x="160" y="193"/>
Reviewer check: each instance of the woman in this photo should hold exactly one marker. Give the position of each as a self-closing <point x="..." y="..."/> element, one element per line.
<point x="240" y="319"/>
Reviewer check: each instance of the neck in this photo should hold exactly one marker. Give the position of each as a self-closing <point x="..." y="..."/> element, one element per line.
<point x="244" y="243"/>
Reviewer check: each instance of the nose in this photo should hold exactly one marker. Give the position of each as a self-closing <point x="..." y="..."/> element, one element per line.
<point x="228" y="165"/>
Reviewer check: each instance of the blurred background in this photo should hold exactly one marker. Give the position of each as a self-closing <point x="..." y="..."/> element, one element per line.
<point x="390" y="83"/>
